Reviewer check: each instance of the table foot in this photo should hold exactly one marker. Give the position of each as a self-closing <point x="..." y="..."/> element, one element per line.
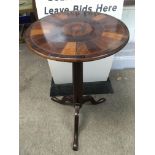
<point x="76" y="126"/>
<point x="68" y="100"/>
<point x="92" y="100"/>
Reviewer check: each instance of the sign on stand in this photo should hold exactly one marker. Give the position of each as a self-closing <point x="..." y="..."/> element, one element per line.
<point x="95" y="70"/>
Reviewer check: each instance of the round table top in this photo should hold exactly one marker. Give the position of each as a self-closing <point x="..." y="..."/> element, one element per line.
<point x="77" y="36"/>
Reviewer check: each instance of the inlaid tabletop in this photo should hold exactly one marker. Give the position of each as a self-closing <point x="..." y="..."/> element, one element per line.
<point x="77" y="36"/>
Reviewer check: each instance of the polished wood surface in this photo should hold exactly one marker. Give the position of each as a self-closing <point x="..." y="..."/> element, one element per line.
<point x="77" y="36"/>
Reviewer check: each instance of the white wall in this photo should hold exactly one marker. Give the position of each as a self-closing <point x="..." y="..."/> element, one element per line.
<point x="126" y="57"/>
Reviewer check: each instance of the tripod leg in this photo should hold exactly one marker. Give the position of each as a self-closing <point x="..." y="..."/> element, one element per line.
<point x="92" y="100"/>
<point x="76" y="126"/>
<point x="77" y="98"/>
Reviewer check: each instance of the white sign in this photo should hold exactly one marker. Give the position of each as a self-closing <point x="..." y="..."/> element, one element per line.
<point x="47" y="7"/>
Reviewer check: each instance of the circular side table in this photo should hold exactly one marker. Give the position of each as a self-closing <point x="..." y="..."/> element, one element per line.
<point x="77" y="37"/>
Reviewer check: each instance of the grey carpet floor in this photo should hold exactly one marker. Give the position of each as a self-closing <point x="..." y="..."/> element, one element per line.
<point x="46" y="127"/>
